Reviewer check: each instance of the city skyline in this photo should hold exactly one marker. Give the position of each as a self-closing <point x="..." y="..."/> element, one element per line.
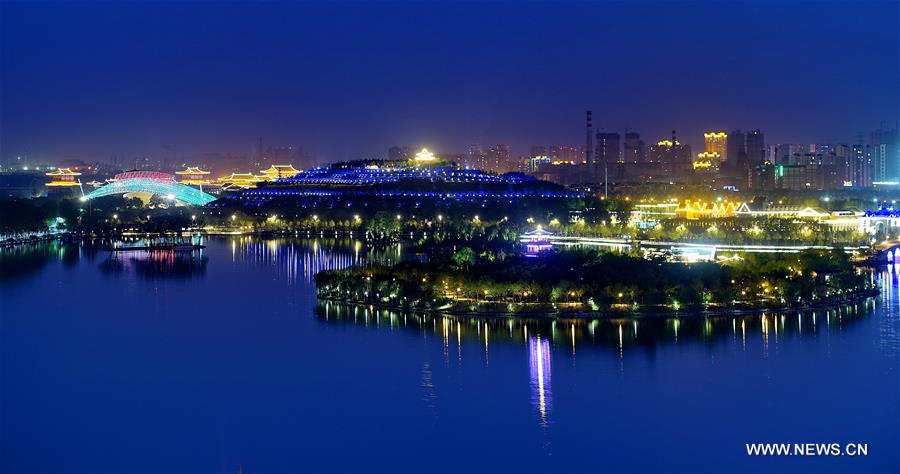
<point x="217" y="90"/>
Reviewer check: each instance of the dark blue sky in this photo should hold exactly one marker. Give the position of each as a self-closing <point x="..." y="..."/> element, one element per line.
<point x="348" y="80"/>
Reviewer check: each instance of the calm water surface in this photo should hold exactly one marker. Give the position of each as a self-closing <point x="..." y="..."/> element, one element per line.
<point x="206" y="363"/>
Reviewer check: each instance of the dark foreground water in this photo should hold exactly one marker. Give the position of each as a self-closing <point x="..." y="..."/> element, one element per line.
<point x="207" y="363"/>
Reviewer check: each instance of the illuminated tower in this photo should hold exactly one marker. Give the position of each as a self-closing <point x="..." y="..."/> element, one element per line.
<point x="716" y="142"/>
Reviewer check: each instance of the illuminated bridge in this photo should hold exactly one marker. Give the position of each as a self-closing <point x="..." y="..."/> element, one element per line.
<point x="162" y="184"/>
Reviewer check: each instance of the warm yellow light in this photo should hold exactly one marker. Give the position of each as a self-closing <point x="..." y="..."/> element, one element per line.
<point x="425" y="155"/>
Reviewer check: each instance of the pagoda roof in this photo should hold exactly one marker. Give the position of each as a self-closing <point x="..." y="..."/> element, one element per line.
<point x="63" y="172"/>
<point x="242" y="176"/>
<point x="275" y="168"/>
<point x="192" y="170"/>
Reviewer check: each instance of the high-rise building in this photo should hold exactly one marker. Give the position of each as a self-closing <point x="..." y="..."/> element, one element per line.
<point x="589" y="146"/>
<point x="476" y="158"/>
<point x="607" y="149"/>
<point x="716" y="142"/>
<point x="566" y="154"/>
<point x="736" y="151"/>
<point x="673" y="157"/>
<point x="861" y="166"/>
<point x="755" y="146"/>
<point x="762" y="177"/>
<point x="708" y="162"/>
<point x="537" y="150"/>
<point x="498" y="159"/>
<point x="634" y="151"/>
<point x="884" y="147"/>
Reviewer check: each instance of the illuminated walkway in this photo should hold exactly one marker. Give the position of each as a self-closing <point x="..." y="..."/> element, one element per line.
<point x="697" y="251"/>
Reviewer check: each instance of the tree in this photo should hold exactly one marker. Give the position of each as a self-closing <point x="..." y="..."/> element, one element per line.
<point x="463" y="258"/>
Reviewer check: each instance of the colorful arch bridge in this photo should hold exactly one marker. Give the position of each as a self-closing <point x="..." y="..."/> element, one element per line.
<point x="162" y="184"/>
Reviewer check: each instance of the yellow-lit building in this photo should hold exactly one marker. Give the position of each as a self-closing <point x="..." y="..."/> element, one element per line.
<point x="275" y="172"/>
<point x="64" y="177"/>
<point x="716" y="142"/>
<point x="424" y="156"/>
<point x="697" y="209"/>
<point x="193" y="176"/>
<point x="240" y="181"/>
<point x="708" y="161"/>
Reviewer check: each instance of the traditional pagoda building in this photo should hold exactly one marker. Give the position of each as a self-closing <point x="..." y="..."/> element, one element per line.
<point x="192" y="175"/>
<point x="63" y="177"/>
<point x="276" y="172"/>
<point x="240" y="181"/>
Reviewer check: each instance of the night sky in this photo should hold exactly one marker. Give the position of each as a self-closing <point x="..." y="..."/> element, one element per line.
<point x="347" y="80"/>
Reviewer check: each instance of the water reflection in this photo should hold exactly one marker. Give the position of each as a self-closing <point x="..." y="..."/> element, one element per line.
<point x="152" y="265"/>
<point x="541" y="376"/>
<point x="618" y="334"/>
<point x="618" y="337"/>
<point x="301" y="259"/>
<point x="22" y="260"/>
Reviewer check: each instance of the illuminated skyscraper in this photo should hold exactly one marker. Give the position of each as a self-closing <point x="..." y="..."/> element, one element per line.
<point x="716" y="142"/>
<point x="861" y="166"/>
<point x="672" y="156"/>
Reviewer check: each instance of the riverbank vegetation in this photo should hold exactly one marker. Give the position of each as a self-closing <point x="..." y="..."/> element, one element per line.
<point x="585" y="280"/>
<point x="435" y="224"/>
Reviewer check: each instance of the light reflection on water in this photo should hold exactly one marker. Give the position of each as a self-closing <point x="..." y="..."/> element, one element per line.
<point x="562" y="380"/>
<point x="295" y="259"/>
<point x="546" y="340"/>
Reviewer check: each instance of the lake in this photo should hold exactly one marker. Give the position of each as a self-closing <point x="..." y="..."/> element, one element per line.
<point x="223" y="360"/>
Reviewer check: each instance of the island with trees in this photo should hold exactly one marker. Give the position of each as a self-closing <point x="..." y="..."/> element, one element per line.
<point x="592" y="281"/>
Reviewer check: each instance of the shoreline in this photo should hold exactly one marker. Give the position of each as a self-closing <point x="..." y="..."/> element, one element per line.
<point x="855" y="298"/>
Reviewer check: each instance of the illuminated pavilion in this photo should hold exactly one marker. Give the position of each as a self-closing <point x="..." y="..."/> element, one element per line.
<point x="276" y="172"/>
<point x="193" y="175"/>
<point x="240" y="181"/>
<point x="63" y="177"/>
